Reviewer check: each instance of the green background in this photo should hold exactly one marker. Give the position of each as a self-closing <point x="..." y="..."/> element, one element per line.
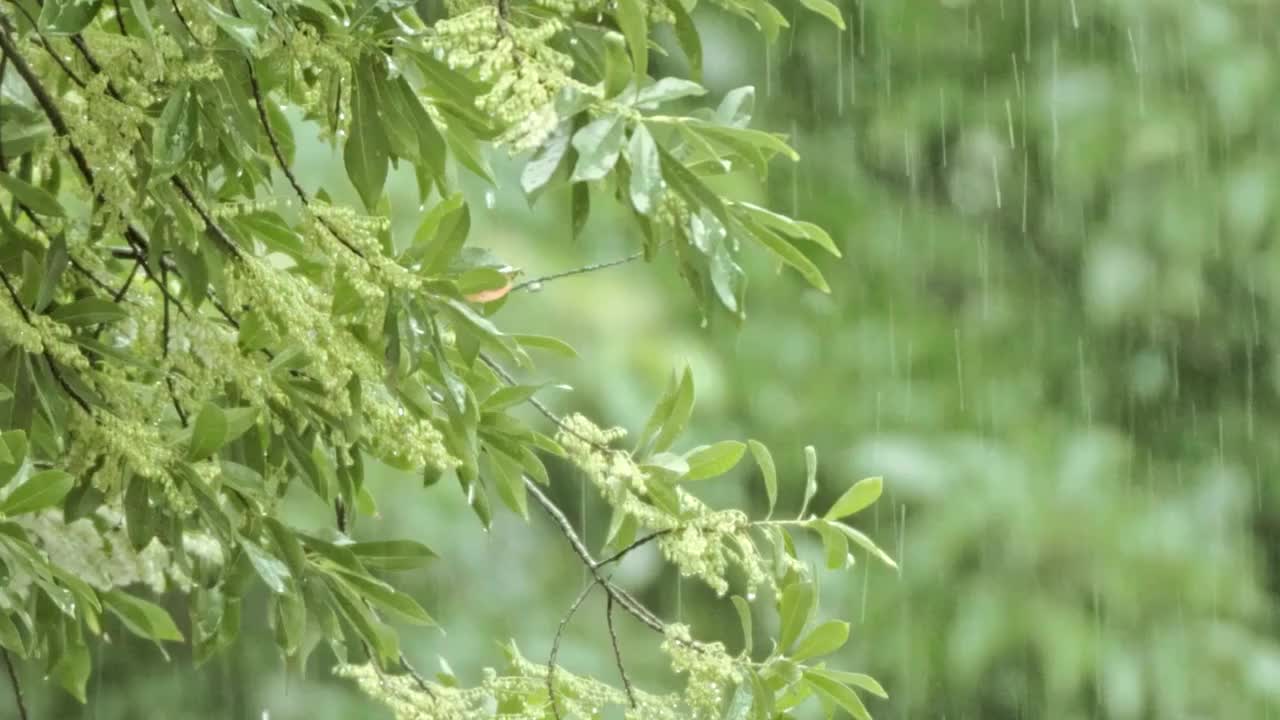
<point x="1053" y="332"/>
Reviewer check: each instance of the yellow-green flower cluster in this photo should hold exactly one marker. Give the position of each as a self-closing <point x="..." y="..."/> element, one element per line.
<point x="701" y="542"/>
<point x="392" y="433"/>
<point x="407" y="701"/>
<point x="525" y="72"/>
<point x="711" y="670"/>
<point x="101" y="556"/>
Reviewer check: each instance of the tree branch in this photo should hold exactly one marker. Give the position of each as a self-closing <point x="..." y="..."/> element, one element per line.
<point x="555" y="645"/>
<point x="637" y="544"/>
<point x="17" y="686"/>
<point x="617" y="651"/>
<point x="284" y="165"/>
<point x="535" y="284"/>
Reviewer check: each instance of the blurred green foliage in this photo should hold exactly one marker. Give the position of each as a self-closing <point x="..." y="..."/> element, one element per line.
<point x="1053" y="331"/>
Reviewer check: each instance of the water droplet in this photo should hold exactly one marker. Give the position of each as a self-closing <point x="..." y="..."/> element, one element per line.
<point x="534" y="287"/>
<point x="346" y="22"/>
<point x="438" y="53"/>
<point x="573" y="41"/>
<point x="490" y="199"/>
<point x="751" y="597"/>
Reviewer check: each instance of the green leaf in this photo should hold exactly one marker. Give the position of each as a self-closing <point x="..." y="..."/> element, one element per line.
<point x="386" y="597"/>
<point x="174" y="133"/>
<point x="73" y="667"/>
<point x="272" y="570"/>
<point x="834" y="691"/>
<point x="825" y="639"/>
<point x="365" y="154"/>
<point x="598" y="145"/>
<point x="826" y="10"/>
<point x="866" y="682"/>
<point x="508" y="396"/>
<point x="834" y="543"/>
<point x="545" y="342"/>
<point x="632" y="21"/>
<point x="42" y="490"/>
<point x="143" y="618"/>
<point x="666" y="90"/>
<point x="786" y="225"/>
<point x="688" y="37"/>
<point x="810" y="478"/>
<point x="787" y="253"/>
<point x="736" y="107"/>
<point x="744" y="617"/>
<point x="243" y="32"/>
<point x="856" y="498"/>
<point x="88" y="311"/>
<point x="794" y="609"/>
<point x="546" y="161"/>
<point x="143" y="15"/>
<point x="10" y="637"/>
<point x="618" y="71"/>
<point x="37" y="199"/>
<point x="673" y="423"/>
<point x="767" y="469"/>
<point x="67" y="17"/>
<point x="646" y="170"/>
<point x="209" y="432"/>
<point x="867" y="544"/>
<point x="713" y="460"/>
<point x="392" y="554"/>
<point x="440" y="235"/>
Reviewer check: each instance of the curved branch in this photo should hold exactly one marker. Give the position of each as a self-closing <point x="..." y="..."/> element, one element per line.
<point x="555" y="645"/>
<point x="17" y="686"/>
<point x="284" y="166"/>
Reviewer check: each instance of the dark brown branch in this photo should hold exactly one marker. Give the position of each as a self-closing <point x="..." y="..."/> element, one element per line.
<point x="13" y="295"/>
<point x="44" y="42"/>
<point x="284" y="164"/>
<point x="537" y="283"/>
<point x="53" y="368"/>
<point x="164" y="350"/>
<point x="628" y="603"/>
<point x="124" y="288"/>
<point x="555" y="646"/>
<point x="637" y="544"/>
<point x="17" y="686"/>
<point x="617" y="651"/>
<point x="43" y="98"/>
<point x="182" y="19"/>
<point x="218" y="233"/>
<point x="60" y="128"/>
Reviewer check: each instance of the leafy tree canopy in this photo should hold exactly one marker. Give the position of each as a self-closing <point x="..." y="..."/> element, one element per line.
<point x="187" y="331"/>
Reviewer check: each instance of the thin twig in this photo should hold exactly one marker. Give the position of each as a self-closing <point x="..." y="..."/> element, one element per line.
<point x="284" y="165"/>
<point x="44" y="42"/>
<point x="617" y="651"/>
<point x="42" y="97"/>
<point x="53" y="368"/>
<point x="638" y="543"/>
<point x="17" y="686"/>
<point x="417" y="677"/>
<point x="182" y="19"/>
<point x="124" y="289"/>
<point x="538" y="282"/>
<point x="555" y="645"/>
<point x="164" y="351"/>
<point x="61" y="129"/>
<point x="628" y="603"/>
